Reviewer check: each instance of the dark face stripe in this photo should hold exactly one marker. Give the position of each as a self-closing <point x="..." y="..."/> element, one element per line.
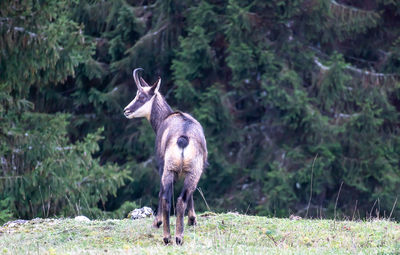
<point x="141" y="100"/>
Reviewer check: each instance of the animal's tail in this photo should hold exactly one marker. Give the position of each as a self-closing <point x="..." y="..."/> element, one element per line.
<point x="183" y="141"/>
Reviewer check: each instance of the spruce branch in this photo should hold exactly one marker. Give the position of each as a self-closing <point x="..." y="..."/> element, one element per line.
<point x="150" y="35"/>
<point x="19" y="29"/>
<point x="348" y="8"/>
<point x="32" y="35"/>
<point x="346" y="13"/>
<point x="133" y="51"/>
<point x="356" y="70"/>
<point x="320" y="65"/>
<point x="348" y="19"/>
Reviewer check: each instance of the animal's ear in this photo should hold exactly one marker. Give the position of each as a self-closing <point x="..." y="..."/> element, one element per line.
<point x="156" y="86"/>
<point x="143" y="82"/>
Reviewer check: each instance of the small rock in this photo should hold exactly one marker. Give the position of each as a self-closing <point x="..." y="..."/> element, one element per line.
<point x="140" y="213"/>
<point x="294" y="217"/>
<point x="81" y="218"/>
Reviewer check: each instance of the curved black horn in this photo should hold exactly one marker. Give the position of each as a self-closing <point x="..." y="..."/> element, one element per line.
<point x="136" y="78"/>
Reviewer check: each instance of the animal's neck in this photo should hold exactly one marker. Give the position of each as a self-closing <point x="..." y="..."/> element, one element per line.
<point x="159" y="111"/>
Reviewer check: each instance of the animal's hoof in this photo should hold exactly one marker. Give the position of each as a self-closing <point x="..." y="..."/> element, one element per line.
<point x="192" y="221"/>
<point x="167" y="240"/>
<point x="179" y="240"/>
<point x="157" y="223"/>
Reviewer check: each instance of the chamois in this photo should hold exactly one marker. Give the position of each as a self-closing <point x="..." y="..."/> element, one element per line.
<point x="181" y="150"/>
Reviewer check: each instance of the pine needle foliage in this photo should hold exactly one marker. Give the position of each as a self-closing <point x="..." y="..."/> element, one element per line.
<point x="42" y="173"/>
<point x="285" y="90"/>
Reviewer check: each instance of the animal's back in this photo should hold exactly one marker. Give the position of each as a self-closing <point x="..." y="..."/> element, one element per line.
<point x="181" y="143"/>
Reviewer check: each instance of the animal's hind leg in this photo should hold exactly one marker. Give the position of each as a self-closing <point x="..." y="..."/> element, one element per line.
<point x="189" y="186"/>
<point x="191" y="213"/>
<point x="167" y="185"/>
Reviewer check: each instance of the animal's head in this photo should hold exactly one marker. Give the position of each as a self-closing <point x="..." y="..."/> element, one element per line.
<point x="141" y="105"/>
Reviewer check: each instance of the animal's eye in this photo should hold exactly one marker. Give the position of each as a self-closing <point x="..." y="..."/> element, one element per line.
<point x="142" y="98"/>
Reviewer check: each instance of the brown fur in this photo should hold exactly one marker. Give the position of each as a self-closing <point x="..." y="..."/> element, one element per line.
<point x="172" y="159"/>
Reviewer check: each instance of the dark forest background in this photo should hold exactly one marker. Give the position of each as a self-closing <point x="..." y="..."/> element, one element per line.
<point x="299" y="99"/>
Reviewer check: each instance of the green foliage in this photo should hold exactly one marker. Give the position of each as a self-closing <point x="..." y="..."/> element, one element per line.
<point x="287" y="92"/>
<point x="345" y="21"/>
<point x="42" y="172"/>
<point x="45" y="175"/>
<point x="5" y="212"/>
<point x="26" y="38"/>
<point x="331" y="87"/>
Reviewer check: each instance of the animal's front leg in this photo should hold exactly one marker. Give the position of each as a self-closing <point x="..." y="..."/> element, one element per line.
<point x="167" y="184"/>
<point x="158" y="219"/>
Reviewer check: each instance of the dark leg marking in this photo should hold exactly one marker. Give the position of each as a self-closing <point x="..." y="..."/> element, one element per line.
<point x="191" y="213"/>
<point x="189" y="186"/>
<point x="167" y="183"/>
<point x="158" y="219"/>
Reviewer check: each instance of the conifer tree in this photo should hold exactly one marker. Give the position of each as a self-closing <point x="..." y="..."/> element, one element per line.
<point x="42" y="172"/>
<point x="287" y="91"/>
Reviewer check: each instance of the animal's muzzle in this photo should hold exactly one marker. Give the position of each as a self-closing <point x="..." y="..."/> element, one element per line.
<point x="127" y="112"/>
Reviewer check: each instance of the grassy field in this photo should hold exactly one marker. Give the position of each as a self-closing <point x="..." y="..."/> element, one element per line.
<point x="215" y="234"/>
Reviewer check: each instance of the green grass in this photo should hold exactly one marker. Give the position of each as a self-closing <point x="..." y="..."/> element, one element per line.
<point x="218" y="234"/>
